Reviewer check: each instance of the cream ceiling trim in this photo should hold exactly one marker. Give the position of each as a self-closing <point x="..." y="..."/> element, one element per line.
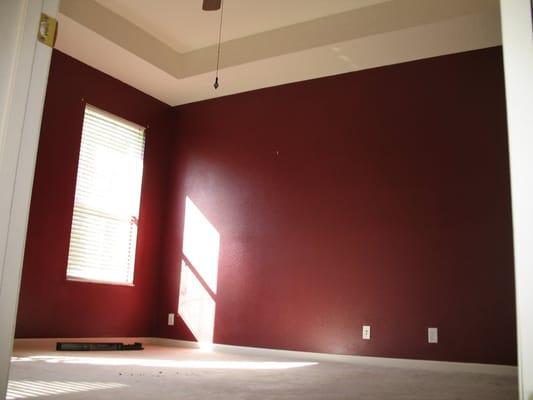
<point x="389" y="16"/>
<point x="123" y="33"/>
<point x="455" y="35"/>
<point x="362" y="22"/>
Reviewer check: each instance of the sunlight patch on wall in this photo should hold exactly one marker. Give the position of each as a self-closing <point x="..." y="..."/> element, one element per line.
<point x="196" y="306"/>
<point x="201" y="242"/>
<point x="199" y="274"/>
<point x="24" y="389"/>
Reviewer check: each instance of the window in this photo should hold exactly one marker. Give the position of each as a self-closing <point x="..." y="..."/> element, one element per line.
<point x="106" y="205"/>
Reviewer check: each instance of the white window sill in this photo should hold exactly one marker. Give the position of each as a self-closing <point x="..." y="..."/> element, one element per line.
<point x="82" y="280"/>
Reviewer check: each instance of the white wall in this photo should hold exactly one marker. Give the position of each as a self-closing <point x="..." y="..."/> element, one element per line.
<point x="24" y="65"/>
<point x="517" y="35"/>
<point x="12" y="18"/>
<point x="10" y="12"/>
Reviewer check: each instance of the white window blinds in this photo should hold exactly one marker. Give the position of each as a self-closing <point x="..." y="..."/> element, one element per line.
<point x="106" y="205"/>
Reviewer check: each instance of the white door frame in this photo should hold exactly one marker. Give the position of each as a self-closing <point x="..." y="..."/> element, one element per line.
<point x="24" y="69"/>
<point x="517" y="36"/>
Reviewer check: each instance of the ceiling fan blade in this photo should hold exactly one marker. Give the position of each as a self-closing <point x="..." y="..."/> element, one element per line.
<point x="211" y="5"/>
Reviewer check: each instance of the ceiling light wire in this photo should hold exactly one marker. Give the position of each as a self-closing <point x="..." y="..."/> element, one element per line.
<point x="215" y="85"/>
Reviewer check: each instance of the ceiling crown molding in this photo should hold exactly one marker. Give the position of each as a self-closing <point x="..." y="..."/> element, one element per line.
<point x="375" y="19"/>
<point x="374" y="35"/>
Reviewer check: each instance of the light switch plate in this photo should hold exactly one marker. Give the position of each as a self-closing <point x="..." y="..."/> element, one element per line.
<point x="366" y="332"/>
<point x="433" y="335"/>
<point x="171" y="318"/>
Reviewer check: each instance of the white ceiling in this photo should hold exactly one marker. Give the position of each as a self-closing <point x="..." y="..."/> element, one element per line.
<point x="166" y="48"/>
<point x="184" y="26"/>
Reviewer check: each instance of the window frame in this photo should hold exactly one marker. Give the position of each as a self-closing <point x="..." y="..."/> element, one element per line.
<point x="142" y="129"/>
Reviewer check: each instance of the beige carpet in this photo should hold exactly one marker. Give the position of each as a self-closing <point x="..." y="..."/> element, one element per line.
<point x="176" y="373"/>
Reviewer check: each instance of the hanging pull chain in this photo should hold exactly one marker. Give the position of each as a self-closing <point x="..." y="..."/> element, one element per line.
<point x="215" y="85"/>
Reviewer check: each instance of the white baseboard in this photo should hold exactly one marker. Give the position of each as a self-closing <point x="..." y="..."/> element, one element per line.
<point x="428" y="365"/>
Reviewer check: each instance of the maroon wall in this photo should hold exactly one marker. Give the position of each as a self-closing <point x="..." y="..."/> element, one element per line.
<point x="379" y="197"/>
<point x="51" y="306"/>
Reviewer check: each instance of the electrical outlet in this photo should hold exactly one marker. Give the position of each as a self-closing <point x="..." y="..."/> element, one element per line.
<point x="366" y="332"/>
<point x="433" y="335"/>
<point x="171" y="318"/>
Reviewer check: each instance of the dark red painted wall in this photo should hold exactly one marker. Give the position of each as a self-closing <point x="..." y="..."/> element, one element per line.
<point x="379" y="197"/>
<point x="51" y="306"/>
